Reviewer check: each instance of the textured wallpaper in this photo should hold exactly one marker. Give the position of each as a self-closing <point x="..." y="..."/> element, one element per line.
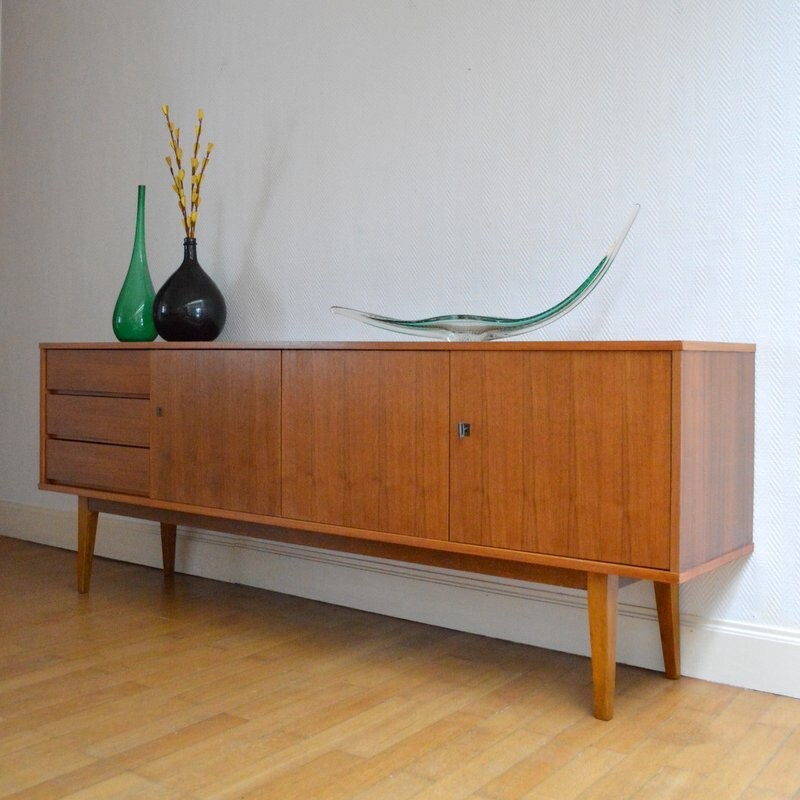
<point x="420" y="157"/>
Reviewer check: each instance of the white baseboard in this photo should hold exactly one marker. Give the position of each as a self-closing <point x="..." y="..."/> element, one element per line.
<point x="751" y="656"/>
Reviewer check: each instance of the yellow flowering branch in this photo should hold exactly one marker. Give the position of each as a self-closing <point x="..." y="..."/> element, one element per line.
<point x="178" y="174"/>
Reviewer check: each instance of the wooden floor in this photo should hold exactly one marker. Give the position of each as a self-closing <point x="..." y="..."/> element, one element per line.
<point x="199" y="689"/>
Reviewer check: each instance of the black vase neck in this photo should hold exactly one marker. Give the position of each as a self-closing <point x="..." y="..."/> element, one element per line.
<point x="190" y="249"/>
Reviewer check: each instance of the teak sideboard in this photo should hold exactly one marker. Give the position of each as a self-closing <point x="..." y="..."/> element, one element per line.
<point x="580" y="464"/>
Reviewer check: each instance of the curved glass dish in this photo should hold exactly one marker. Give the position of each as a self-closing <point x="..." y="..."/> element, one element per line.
<point x="473" y="328"/>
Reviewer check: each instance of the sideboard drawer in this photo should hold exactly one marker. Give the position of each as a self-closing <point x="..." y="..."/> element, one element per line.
<point x="115" y="420"/>
<point x="99" y="371"/>
<point x="98" y="466"/>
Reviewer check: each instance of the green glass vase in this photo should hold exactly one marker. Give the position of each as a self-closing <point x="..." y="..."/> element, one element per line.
<point x="133" y="312"/>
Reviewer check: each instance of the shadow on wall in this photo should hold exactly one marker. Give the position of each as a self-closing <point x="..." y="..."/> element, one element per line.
<point x="252" y="300"/>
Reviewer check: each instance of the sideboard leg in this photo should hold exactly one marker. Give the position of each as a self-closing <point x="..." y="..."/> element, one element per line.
<point x="602" y="601"/>
<point x="87" y="532"/>
<point x="669" y="626"/>
<point x="168" y="537"/>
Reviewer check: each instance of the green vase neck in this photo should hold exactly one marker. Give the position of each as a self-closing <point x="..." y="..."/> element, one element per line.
<point x="139" y="255"/>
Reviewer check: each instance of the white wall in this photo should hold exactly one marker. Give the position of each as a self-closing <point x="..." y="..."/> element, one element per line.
<point x="416" y="158"/>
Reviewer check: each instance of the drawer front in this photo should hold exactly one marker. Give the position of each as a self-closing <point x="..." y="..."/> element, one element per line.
<point x="99" y="371"/>
<point x="98" y="466"/>
<point x="116" y="420"/>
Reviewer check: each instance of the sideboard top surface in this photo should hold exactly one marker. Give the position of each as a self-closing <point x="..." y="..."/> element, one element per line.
<point x="410" y="345"/>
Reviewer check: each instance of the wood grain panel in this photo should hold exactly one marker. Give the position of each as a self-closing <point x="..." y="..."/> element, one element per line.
<point x="102" y="371"/>
<point x="569" y="454"/>
<point x="98" y="466"/>
<point x="365" y="440"/>
<point x="215" y="419"/>
<point x="42" y="413"/>
<point x="716" y="454"/>
<point x="117" y="420"/>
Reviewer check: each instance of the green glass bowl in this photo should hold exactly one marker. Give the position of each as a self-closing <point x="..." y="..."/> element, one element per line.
<point x="475" y="328"/>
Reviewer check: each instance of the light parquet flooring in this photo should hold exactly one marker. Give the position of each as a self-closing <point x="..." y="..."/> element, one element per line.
<point x="198" y="689"/>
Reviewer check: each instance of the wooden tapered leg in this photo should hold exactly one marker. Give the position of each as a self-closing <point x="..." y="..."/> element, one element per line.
<point x="669" y="626"/>
<point x="602" y="601"/>
<point x="87" y="532"/>
<point x="168" y="537"/>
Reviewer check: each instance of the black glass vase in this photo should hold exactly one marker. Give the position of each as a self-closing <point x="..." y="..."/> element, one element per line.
<point x="189" y="307"/>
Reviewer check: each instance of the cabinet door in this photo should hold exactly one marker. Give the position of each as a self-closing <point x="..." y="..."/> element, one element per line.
<point x="365" y="441"/>
<point x="215" y="417"/>
<point x="568" y="453"/>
